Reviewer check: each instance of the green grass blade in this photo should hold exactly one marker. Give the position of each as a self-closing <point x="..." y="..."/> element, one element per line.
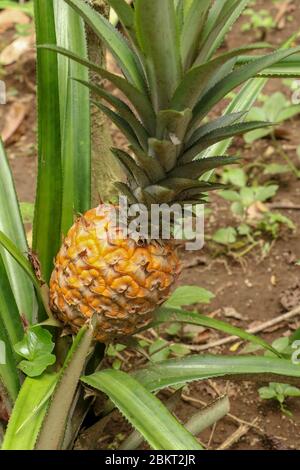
<point x="48" y="206"/>
<point x="11" y="224"/>
<point x="74" y="115"/>
<point x="113" y="40"/>
<point x="29" y="412"/>
<point x="183" y="370"/>
<point x="143" y="410"/>
<point x="167" y="314"/>
<point x="156" y="28"/>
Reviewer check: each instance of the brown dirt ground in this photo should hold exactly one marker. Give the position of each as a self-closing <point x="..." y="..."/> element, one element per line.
<point x="248" y="287"/>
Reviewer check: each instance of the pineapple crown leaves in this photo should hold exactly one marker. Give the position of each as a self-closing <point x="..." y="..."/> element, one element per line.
<point x="172" y="79"/>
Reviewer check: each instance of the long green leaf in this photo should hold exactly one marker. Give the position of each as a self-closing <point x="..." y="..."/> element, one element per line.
<point x="167" y="314"/>
<point x="221" y="134"/>
<point x="195" y="170"/>
<point x="74" y="116"/>
<point x="138" y="100"/>
<point x="9" y="313"/>
<point x="9" y="377"/>
<point x="41" y="289"/>
<point x="24" y="264"/>
<point x="242" y="102"/>
<point x="28" y="413"/>
<point x="123" y="110"/>
<point x="54" y="426"/>
<point x="194" y="83"/>
<point x="137" y="173"/>
<point x="218" y="123"/>
<point x="156" y="28"/>
<point x="183" y="370"/>
<point x="192" y="30"/>
<point x="48" y="207"/>
<point x="144" y="411"/>
<point x="289" y="67"/>
<point x="11" y="224"/>
<point x="113" y="40"/>
<point x="121" y="123"/>
<point x="222" y="16"/>
<point x="236" y="78"/>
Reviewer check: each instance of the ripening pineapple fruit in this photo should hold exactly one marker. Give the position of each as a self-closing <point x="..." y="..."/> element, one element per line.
<point x="100" y="270"/>
<point x="172" y="80"/>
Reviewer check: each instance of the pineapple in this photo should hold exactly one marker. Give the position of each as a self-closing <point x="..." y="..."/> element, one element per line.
<point x="99" y="270"/>
<point x="172" y="80"/>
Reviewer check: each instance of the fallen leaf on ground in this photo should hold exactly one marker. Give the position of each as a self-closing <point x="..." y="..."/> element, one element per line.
<point x="16" y="49"/>
<point x="10" y="17"/>
<point x="15" y="116"/>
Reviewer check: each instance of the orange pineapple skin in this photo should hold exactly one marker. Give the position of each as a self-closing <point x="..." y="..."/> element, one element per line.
<point x="100" y="271"/>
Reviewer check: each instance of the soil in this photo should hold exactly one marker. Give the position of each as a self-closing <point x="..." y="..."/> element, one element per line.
<point x="247" y="291"/>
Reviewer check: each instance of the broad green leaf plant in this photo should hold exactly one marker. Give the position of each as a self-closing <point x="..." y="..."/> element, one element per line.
<point x="46" y="374"/>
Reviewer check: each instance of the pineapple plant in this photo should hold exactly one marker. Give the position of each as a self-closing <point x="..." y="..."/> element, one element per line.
<point x="172" y="79"/>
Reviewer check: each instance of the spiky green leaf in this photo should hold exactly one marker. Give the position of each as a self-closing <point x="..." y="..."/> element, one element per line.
<point x="236" y="78"/>
<point x="11" y="224"/>
<point x="138" y="99"/>
<point x="179" y="371"/>
<point x="143" y="410"/>
<point x="113" y="40"/>
<point x="158" y="38"/>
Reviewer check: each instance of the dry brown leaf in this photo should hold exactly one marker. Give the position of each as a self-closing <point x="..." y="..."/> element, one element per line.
<point x="15" y="116"/>
<point x="16" y="49"/>
<point x="9" y="17"/>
